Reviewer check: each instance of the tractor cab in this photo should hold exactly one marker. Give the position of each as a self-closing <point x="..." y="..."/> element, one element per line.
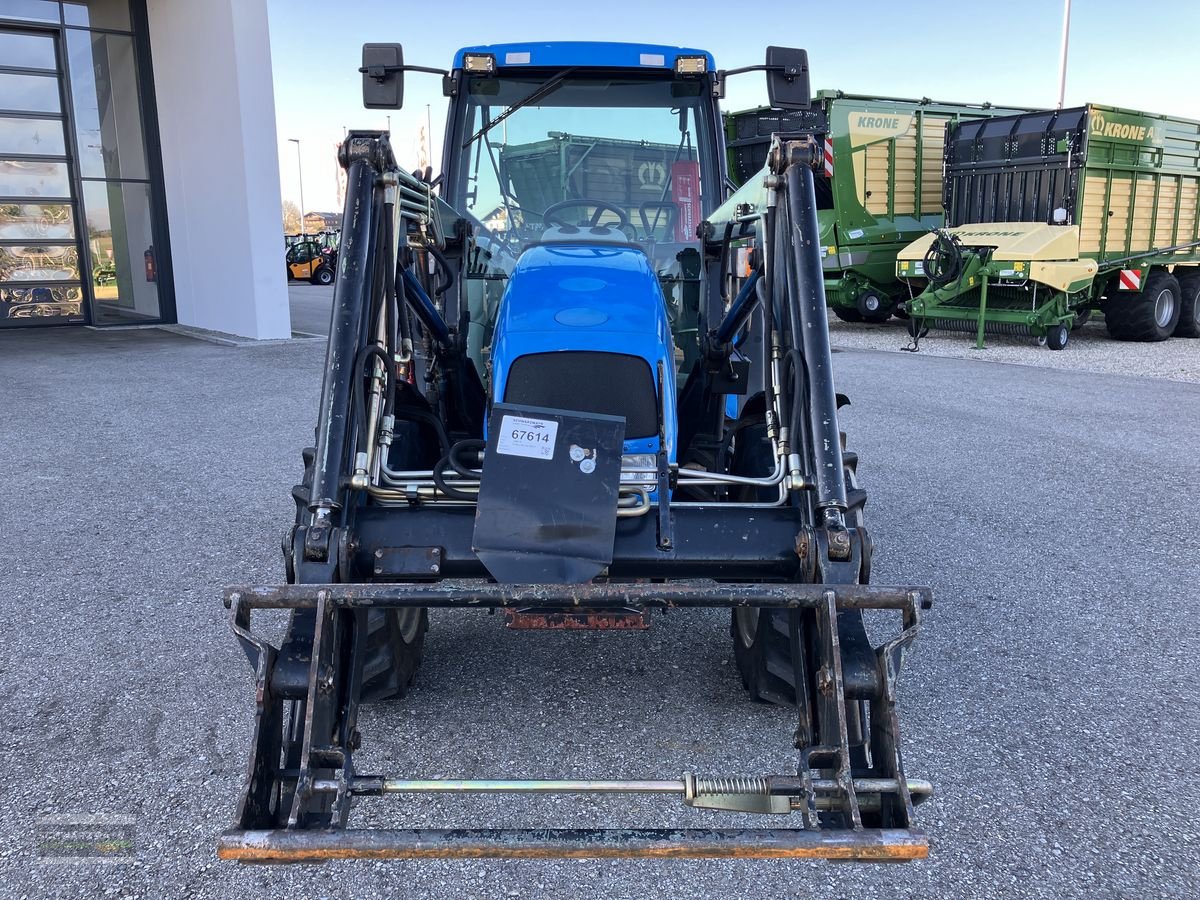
<point x="585" y="170"/>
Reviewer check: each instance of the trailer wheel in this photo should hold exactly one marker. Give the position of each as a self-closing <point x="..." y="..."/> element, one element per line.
<point x="762" y="645"/>
<point x="916" y="328"/>
<point x="1057" y="336"/>
<point x="1149" y="316"/>
<point x="1189" y="307"/>
<point x="874" y="308"/>
<point x="847" y="314"/>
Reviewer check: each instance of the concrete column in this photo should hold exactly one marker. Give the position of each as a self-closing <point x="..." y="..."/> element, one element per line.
<point x="216" y="111"/>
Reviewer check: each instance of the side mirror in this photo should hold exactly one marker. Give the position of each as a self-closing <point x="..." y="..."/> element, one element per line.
<point x="382" y="76"/>
<point x="787" y="78"/>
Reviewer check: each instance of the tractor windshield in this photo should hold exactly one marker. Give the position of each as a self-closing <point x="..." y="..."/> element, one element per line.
<point x="622" y="154"/>
<point x="615" y="152"/>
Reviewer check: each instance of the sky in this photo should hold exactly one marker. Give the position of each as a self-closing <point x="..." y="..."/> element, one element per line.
<point x="1141" y="55"/>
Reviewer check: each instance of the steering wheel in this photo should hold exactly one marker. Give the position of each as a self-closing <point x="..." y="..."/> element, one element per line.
<point x="550" y="216"/>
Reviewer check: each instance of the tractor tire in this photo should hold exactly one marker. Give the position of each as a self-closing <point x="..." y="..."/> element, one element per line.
<point x="847" y="314"/>
<point x="323" y="276"/>
<point x="1189" y="307"/>
<point x="1149" y="316"/>
<point x="762" y="645"/>
<point x="395" y="637"/>
<point x="395" y="640"/>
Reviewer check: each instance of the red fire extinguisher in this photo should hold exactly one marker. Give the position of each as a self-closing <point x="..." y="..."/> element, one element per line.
<point x="148" y="258"/>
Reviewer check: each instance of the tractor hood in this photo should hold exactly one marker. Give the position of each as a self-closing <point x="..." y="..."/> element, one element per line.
<point x="587" y="298"/>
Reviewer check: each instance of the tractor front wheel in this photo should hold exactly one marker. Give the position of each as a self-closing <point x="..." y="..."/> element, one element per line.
<point x="762" y="645"/>
<point x="395" y="639"/>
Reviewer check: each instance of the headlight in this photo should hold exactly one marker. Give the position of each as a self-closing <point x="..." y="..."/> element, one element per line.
<point x="691" y="65"/>
<point x="479" y="62"/>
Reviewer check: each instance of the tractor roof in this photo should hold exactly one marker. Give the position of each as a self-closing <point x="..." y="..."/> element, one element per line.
<point x="596" y="54"/>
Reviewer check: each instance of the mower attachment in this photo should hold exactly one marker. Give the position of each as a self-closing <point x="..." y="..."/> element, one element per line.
<point x="850" y="791"/>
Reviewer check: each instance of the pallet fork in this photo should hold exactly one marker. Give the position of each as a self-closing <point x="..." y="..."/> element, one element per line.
<point x="285" y="799"/>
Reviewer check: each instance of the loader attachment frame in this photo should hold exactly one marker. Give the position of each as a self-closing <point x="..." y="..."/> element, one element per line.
<point x="873" y="805"/>
<point x="795" y="546"/>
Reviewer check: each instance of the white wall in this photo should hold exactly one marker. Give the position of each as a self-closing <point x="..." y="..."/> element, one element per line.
<point x="216" y="113"/>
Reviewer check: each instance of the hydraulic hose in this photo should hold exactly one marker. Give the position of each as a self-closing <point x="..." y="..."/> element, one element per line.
<point x="365" y="355"/>
<point x="453" y="460"/>
<point x="446" y="270"/>
<point x="723" y="275"/>
<point x="454" y="457"/>
<point x="439" y="479"/>
<point x="943" y="261"/>
<point x="411" y="414"/>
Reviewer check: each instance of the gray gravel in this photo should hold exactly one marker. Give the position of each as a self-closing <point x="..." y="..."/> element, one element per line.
<point x="1089" y="349"/>
<point x="1050" y="698"/>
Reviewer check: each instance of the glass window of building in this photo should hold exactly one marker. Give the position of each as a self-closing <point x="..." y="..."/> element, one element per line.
<point x="80" y="211"/>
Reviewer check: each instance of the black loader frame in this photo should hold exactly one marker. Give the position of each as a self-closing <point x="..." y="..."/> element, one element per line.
<point x="350" y="557"/>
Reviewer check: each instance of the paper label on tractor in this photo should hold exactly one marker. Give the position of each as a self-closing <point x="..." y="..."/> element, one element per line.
<point x="527" y="437"/>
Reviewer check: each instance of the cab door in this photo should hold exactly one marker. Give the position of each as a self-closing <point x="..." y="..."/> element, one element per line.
<point x="300" y="260"/>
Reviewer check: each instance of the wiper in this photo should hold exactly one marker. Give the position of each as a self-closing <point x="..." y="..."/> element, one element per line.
<point x="532" y="97"/>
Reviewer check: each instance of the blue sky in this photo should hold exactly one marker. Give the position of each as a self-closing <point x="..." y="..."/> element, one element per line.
<point x="1141" y="55"/>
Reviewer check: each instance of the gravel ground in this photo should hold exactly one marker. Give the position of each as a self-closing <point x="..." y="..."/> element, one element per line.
<point x="1088" y="350"/>
<point x="1050" y="697"/>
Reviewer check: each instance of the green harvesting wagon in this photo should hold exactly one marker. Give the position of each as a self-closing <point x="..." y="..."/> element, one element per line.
<point x="879" y="189"/>
<point x="1055" y="214"/>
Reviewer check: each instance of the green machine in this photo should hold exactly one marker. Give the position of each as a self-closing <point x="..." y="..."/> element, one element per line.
<point x="1055" y="214"/>
<point x="880" y="187"/>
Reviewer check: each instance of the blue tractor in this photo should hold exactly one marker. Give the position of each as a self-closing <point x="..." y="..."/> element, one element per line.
<point x="573" y="379"/>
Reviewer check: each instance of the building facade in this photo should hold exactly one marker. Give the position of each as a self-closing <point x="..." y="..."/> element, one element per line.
<point x="138" y="175"/>
<point x="315" y="222"/>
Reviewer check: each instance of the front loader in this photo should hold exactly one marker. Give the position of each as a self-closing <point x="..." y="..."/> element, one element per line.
<point x="550" y="391"/>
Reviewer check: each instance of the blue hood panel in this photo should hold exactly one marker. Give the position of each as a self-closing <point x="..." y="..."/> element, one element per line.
<point x="596" y="297"/>
<point x="571" y="287"/>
